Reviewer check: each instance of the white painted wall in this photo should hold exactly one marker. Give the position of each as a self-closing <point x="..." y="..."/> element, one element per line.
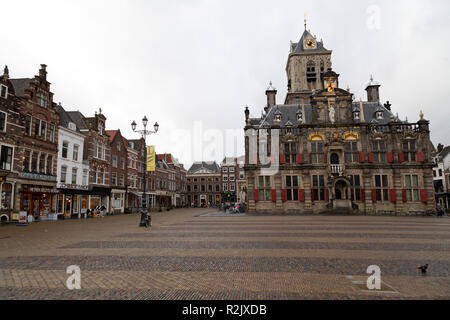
<point x="73" y="138"/>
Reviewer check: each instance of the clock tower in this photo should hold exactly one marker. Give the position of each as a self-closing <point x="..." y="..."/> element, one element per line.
<point x="307" y="62"/>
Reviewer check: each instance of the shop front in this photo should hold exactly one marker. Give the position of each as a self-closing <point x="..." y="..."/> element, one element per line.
<point x="118" y="200"/>
<point x="163" y="200"/>
<point x="38" y="201"/>
<point x="99" y="196"/>
<point x="133" y="201"/>
<point x="72" y="201"/>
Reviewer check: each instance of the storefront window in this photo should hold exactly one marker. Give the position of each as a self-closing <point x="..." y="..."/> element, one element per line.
<point x="95" y="201"/>
<point x="84" y="203"/>
<point x="75" y="204"/>
<point x="60" y="203"/>
<point x="67" y="204"/>
<point x="6" y="196"/>
<point x="26" y="203"/>
<point x="45" y="204"/>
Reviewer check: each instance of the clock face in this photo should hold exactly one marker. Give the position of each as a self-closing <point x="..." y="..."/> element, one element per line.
<point x="310" y="43"/>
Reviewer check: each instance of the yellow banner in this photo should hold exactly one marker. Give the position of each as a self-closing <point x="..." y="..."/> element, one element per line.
<point x="151" y="158"/>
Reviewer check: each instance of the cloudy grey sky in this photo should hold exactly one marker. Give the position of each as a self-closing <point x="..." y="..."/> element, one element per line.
<point x="194" y="65"/>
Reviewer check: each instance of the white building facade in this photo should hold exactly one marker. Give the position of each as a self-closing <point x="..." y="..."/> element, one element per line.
<point x="72" y="171"/>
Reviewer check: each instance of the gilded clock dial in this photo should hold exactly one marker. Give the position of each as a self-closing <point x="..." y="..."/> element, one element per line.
<point x="310" y="43"/>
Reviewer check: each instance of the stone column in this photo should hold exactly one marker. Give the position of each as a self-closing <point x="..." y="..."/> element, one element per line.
<point x="278" y="187"/>
<point x="398" y="186"/>
<point x="367" y="185"/>
<point x="307" y="187"/>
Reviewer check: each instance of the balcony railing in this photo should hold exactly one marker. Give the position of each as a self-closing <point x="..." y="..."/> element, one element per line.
<point x="337" y="169"/>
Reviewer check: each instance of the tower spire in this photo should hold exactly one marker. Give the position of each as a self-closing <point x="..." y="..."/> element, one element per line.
<point x="305" y="21"/>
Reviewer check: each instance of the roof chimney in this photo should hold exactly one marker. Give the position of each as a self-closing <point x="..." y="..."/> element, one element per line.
<point x="373" y="94"/>
<point x="271" y="93"/>
<point x="5" y="73"/>
<point x="43" y="72"/>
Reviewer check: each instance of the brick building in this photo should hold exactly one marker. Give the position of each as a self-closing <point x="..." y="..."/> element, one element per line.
<point x="97" y="154"/>
<point x="203" y="183"/>
<point x="322" y="150"/>
<point x="118" y="174"/>
<point x="11" y="135"/>
<point x="136" y="167"/>
<point x="178" y="181"/>
<point x="36" y="182"/>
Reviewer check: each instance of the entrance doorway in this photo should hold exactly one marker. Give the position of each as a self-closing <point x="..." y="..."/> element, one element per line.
<point x="36" y="207"/>
<point x="340" y="190"/>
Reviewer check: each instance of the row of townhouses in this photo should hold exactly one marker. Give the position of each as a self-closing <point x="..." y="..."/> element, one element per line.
<point x="56" y="162"/>
<point x="208" y="183"/>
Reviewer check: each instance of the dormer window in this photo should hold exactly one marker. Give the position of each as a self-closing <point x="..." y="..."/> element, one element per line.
<point x="379" y="115"/>
<point x="72" y="126"/>
<point x="278" y="117"/>
<point x="3" y="91"/>
<point x="299" y="117"/>
<point x="100" y="128"/>
<point x="356" y="115"/>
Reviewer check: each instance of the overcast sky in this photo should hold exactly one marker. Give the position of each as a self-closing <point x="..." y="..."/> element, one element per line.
<point x="194" y="65"/>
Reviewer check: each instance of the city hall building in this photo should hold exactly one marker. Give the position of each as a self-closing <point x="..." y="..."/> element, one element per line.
<point x="322" y="151"/>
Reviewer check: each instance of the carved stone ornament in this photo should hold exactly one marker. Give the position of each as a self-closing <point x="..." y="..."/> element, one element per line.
<point x="377" y="136"/>
<point x="409" y="135"/>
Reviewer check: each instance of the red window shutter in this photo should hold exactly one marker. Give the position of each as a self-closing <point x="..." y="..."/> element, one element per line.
<point x="324" y="158"/>
<point x="284" y="195"/>
<point x="420" y="156"/>
<point x="282" y="159"/>
<point x="301" y="195"/>
<point x="256" y="195"/>
<point x="326" y="194"/>
<point x="401" y="157"/>
<point x="374" y="195"/>
<point x="274" y="195"/>
<point x="312" y="195"/>
<point x="299" y="158"/>
<point x="404" y="195"/>
<point x="310" y="158"/>
<point x="363" y="196"/>
<point x="371" y="157"/>
<point x="345" y="157"/>
<point x="361" y="157"/>
<point x="392" y="195"/>
<point x="389" y="157"/>
<point x="423" y="195"/>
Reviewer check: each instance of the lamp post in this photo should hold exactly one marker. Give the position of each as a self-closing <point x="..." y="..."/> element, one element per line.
<point x="144" y="133"/>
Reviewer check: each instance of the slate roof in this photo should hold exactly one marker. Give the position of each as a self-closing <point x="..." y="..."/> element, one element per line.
<point x="444" y="152"/>
<point x="298" y="47"/>
<point x="209" y="165"/>
<point x="78" y="118"/>
<point x="20" y="85"/>
<point x="65" y="118"/>
<point x="289" y="114"/>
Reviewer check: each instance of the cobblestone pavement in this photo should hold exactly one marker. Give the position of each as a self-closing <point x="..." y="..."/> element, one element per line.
<point x="200" y="254"/>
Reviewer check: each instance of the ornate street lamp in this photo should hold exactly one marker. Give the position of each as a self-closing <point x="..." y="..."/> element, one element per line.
<point x="144" y="133"/>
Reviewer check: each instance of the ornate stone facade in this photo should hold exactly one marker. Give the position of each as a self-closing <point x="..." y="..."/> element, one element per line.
<point x="323" y="151"/>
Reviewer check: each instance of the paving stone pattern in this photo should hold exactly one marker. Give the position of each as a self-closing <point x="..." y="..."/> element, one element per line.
<point x="195" y="254"/>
